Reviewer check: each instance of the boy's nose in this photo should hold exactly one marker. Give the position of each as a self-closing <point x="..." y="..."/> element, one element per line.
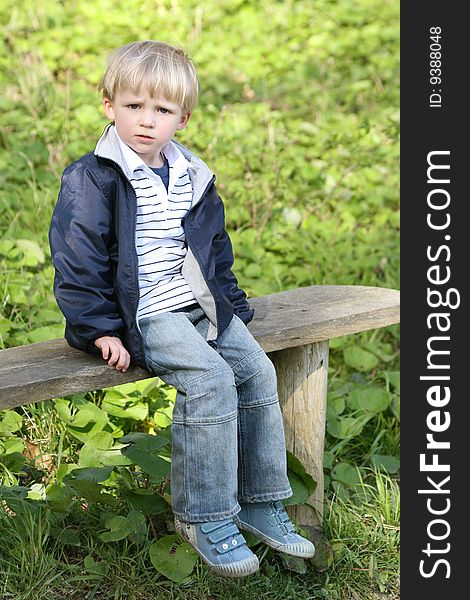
<point x="147" y="121"/>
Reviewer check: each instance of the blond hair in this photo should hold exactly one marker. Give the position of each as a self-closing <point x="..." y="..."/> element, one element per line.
<point x="157" y="67"/>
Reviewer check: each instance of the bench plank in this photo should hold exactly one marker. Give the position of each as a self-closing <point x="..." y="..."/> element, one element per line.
<point x="321" y="312"/>
<point x="283" y="320"/>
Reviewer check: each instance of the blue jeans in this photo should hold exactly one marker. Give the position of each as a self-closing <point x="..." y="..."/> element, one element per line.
<point x="228" y="436"/>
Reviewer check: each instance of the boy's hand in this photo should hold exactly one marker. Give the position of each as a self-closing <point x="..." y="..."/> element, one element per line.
<point x="114" y="352"/>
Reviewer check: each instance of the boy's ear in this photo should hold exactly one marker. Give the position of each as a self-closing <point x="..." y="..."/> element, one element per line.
<point x="184" y="121"/>
<point x="108" y="109"/>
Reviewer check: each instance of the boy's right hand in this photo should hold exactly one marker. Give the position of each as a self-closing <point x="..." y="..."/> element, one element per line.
<point x="113" y="351"/>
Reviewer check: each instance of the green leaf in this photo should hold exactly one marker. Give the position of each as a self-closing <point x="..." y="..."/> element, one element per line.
<point x="138" y="526"/>
<point x="10" y="422"/>
<point x="119" y="527"/>
<point x="6" y="247"/>
<point x="328" y="458"/>
<point x="64" y="469"/>
<point x="142" y="450"/>
<point x="32" y="252"/>
<point x="346" y="474"/>
<point x="145" y="441"/>
<point x="126" y="408"/>
<point x="146" y="501"/>
<point x="5" y="327"/>
<point x="386" y="462"/>
<point x="63" y="410"/>
<point x="91" y="475"/>
<point x="162" y="417"/>
<point x="14" y="496"/>
<point x="88" y="420"/>
<point x="369" y="399"/>
<point x="100" y="440"/>
<point x="302" y="483"/>
<point x="99" y="451"/>
<point x="90" y="456"/>
<point x="86" y="483"/>
<point x="393" y="379"/>
<point x="68" y="537"/>
<point x="345" y="427"/>
<point x="95" y="568"/>
<point x="148" y="462"/>
<point x="341" y="490"/>
<point x="47" y="332"/>
<point x="172" y="558"/>
<point x="335" y="405"/>
<point x="83" y="418"/>
<point x="127" y="389"/>
<point x="360" y="359"/>
<point x="323" y="558"/>
<point x="59" y="497"/>
<point x="13" y="461"/>
<point x="300" y="493"/>
<point x="293" y="563"/>
<point x="338" y="343"/>
<point x="12" y="445"/>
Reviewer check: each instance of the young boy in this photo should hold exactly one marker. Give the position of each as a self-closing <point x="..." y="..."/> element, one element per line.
<point x="143" y="273"/>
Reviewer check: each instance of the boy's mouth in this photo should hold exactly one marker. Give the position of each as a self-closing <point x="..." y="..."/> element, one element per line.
<point x="146" y="138"/>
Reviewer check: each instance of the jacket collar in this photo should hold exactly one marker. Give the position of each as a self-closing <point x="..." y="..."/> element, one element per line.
<point x="108" y="146"/>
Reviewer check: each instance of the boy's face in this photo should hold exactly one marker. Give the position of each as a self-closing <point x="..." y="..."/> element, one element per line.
<point x="145" y="123"/>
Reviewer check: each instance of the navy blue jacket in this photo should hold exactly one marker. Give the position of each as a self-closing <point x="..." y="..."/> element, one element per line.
<point x="92" y="240"/>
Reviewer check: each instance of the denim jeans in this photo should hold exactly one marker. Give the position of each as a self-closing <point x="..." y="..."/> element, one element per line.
<point x="228" y="436"/>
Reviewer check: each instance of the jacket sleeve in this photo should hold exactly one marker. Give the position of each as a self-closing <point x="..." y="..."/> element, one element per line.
<point x="223" y="264"/>
<point x="80" y="236"/>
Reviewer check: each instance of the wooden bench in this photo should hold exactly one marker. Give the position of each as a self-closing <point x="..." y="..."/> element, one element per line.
<point x="293" y="327"/>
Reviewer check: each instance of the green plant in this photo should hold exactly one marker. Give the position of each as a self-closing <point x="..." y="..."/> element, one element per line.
<point x="110" y="469"/>
<point x="299" y="119"/>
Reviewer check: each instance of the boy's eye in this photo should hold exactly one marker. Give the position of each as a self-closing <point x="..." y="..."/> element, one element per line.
<point x="133" y="106"/>
<point x="163" y="110"/>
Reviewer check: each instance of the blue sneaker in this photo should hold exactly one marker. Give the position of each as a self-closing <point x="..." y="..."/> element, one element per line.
<point x="269" y="522"/>
<point x="221" y="546"/>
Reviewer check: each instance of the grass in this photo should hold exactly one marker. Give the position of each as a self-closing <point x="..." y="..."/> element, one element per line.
<point x="36" y="565"/>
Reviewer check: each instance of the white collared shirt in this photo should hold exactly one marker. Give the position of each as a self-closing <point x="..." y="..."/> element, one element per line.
<point x="160" y="239"/>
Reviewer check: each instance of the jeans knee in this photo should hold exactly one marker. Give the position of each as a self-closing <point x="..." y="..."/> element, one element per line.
<point x="264" y="371"/>
<point x="258" y="386"/>
<point x="219" y="380"/>
<point x="267" y="371"/>
<point x="209" y="399"/>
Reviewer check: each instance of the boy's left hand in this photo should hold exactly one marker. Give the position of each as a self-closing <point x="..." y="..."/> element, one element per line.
<point x="113" y="351"/>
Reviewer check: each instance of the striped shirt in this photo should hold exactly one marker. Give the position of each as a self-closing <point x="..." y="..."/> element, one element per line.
<point x="160" y="239"/>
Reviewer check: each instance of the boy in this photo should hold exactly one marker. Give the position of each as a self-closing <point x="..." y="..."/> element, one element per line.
<point x="143" y="272"/>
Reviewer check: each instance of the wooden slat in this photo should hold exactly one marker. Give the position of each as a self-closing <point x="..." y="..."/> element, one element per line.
<point x="321" y="312"/>
<point x="284" y="320"/>
<point x="52" y="369"/>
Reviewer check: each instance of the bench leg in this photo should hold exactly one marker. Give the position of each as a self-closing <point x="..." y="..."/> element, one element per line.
<point x="302" y="374"/>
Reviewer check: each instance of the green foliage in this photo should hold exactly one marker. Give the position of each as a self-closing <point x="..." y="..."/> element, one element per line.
<point x="299" y="119"/>
<point x="363" y="411"/>
<point x="173" y="558"/>
<point x="302" y="483"/>
<point x="125" y="479"/>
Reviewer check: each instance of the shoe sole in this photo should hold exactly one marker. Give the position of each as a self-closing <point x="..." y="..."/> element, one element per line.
<point x="285" y="549"/>
<point x="242" y="568"/>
